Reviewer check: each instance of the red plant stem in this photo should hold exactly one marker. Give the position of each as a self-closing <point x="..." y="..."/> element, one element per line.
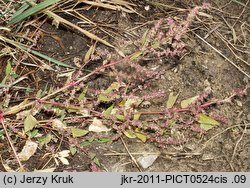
<point x="15" y="110"/>
<point x="57" y="104"/>
<point x="173" y="110"/>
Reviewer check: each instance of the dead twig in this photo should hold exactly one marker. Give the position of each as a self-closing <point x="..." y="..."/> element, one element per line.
<point x="11" y="145"/>
<point x="221" y="54"/>
<point x="131" y="156"/>
<point x="218" y="134"/>
<point x="227" y="44"/>
<point x="237" y="143"/>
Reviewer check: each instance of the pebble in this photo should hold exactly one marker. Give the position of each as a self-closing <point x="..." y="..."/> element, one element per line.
<point x="147" y="160"/>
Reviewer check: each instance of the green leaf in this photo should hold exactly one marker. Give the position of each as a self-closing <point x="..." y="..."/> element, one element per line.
<point x="203" y="119"/>
<point x="1" y="133"/>
<point x="108" y="111"/>
<point x="103" y="98"/>
<point x="120" y="117"/>
<point x="172" y="123"/>
<point x="8" y="69"/>
<point x="76" y="132"/>
<point x="34" y="133"/>
<point x="207" y="122"/>
<point x="72" y="150"/>
<point x="45" y="139"/>
<point x="185" y="103"/>
<point x="82" y="95"/>
<point x="97" y="161"/>
<point x="206" y="127"/>
<point x="29" y="123"/>
<point x="129" y="133"/>
<point x="113" y="86"/>
<point x="89" y="53"/>
<point x="171" y="100"/>
<point x="103" y="140"/>
<point x="141" y="136"/>
<point x="137" y="116"/>
<point x="87" y="143"/>
<point x="39" y="93"/>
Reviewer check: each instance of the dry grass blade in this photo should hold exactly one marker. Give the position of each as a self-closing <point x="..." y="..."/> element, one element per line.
<point x="58" y="20"/>
<point x="112" y="5"/>
<point x="240" y="3"/>
<point x="166" y="6"/>
<point x="31" y="11"/>
<point x="12" y="146"/>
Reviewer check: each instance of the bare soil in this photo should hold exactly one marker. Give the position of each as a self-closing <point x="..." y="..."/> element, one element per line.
<point x="224" y="148"/>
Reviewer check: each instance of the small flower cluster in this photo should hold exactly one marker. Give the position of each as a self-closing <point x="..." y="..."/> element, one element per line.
<point x="169" y="44"/>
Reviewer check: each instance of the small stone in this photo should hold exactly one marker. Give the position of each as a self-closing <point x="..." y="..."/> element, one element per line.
<point x="207" y="156"/>
<point x="147" y="160"/>
<point x="163" y="77"/>
<point x="146" y="104"/>
<point x="239" y="103"/>
<point x="147" y="8"/>
<point x="175" y="70"/>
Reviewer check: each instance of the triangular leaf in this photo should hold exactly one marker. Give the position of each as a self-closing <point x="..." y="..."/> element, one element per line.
<point x="120" y="117"/>
<point x="203" y="119"/>
<point x="141" y="136"/>
<point x="45" y="139"/>
<point x="103" y="98"/>
<point x="137" y="116"/>
<point x="76" y="132"/>
<point x="107" y="112"/>
<point x="171" y="100"/>
<point x="72" y="150"/>
<point x="29" y="123"/>
<point x="82" y="95"/>
<point x="113" y="86"/>
<point x="185" y="103"/>
<point x="129" y="133"/>
<point x="206" y="127"/>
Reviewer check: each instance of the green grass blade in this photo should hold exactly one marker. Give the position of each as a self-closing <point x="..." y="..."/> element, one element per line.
<point x="32" y="10"/>
<point x="59" y="63"/>
<point x="24" y="7"/>
<point x="22" y="47"/>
